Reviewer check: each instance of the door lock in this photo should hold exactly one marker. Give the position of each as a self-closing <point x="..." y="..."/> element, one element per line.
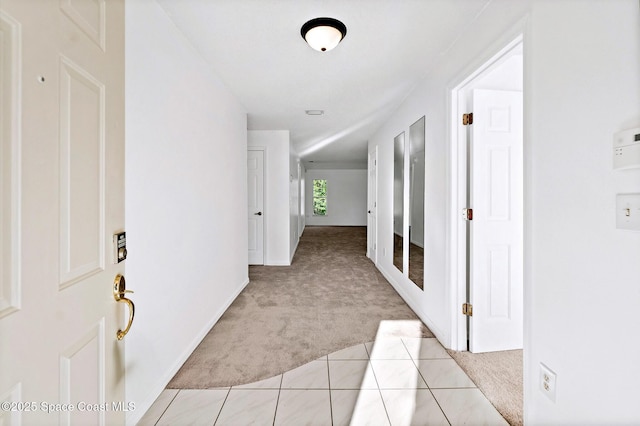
<point x="120" y="247"/>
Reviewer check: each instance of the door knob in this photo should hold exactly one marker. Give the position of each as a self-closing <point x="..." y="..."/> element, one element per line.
<point x="369" y="211"/>
<point x="119" y="290"/>
<point x="258" y="214"/>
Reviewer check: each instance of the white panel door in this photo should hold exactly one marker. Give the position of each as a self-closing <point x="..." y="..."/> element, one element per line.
<point x="62" y="118"/>
<point x="255" y="192"/>
<point x="372" y="205"/>
<point x="496" y="255"/>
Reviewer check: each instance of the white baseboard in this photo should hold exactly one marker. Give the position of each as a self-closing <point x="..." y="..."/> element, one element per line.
<point x="155" y="390"/>
<point x="293" y="252"/>
<point x="442" y="338"/>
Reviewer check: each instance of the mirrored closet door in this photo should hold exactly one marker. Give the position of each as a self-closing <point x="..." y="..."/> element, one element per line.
<point x="416" y="202"/>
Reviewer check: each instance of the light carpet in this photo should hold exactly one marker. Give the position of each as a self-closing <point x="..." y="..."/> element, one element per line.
<point x="499" y="376"/>
<point x="330" y="298"/>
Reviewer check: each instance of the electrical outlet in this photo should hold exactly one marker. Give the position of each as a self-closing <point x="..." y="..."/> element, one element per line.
<point x="548" y="382"/>
<point x="384" y="252"/>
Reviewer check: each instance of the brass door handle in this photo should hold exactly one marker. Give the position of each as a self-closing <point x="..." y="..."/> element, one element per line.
<point x="119" y="290"/>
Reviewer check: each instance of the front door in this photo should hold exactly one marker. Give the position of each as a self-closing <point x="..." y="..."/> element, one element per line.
<point x="255" y="191"/>
<point x="62" y="121"/>
<point x="496" y="240"/>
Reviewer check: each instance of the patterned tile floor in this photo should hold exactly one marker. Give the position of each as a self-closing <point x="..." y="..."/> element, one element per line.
<point x="392" y="381"/>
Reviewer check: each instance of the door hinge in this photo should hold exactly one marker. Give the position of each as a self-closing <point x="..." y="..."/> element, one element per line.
<point x="467" y="309"/>
<point x="467" y="119"/>
<point x="467" y="214"/>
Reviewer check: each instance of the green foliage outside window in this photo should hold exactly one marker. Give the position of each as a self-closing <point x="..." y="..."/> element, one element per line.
<point x="319" y="197"/>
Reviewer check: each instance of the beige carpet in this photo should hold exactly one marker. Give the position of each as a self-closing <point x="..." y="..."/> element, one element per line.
<point x="330" y="298"/>
<point x="499" y="376"/>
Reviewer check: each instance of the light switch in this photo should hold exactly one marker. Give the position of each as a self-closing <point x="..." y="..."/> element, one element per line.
<point x="628" y="211"/>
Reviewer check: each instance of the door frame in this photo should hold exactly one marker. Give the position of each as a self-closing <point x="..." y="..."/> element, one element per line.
<point x="458" y="170"/>
<point x="372" y="225"/>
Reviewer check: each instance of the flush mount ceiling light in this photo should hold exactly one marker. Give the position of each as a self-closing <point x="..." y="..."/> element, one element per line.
<point x="323" y="34"/>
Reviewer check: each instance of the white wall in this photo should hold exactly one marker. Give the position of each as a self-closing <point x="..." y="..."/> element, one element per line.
<point x="346" y="197"/>
<point x="581" y="274"/>
<point x="280" y="194"/>
<point x="186" y="200"/>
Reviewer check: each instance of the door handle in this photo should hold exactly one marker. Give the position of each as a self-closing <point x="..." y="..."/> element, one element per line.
<point x="119" y="290"/>
<point x="258" y="214"/>
<point x="369" y="211"/>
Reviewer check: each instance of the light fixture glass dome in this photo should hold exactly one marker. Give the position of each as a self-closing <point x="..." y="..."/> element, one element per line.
<point x="323" y="34"/>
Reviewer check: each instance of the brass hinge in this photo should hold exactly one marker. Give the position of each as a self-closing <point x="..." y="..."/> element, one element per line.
<point x="467" y="119"/>
<point x="467" y="214"/>
<point x="467" y="309"/>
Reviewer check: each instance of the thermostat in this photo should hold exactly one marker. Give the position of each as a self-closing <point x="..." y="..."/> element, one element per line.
<point x="626" y="149"/>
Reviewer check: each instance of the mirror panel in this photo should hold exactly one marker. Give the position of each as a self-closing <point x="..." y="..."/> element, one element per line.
<point x="416" y="202"/>
<point x="398" y="200"/>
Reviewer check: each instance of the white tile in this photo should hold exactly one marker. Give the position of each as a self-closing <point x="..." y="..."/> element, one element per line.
<point x="357" y="407"/>
<point x="299" y="407"/>
<point x="354" y="352"/>
<point x="468" y="407"/>
<point x="425" y="348"/>
<point x="194" y="407"/>
<point x="249" y="407"/>
<point x="158" y="407"/>
<point x="354" y="374"/>
<point x="444" y="373"/>
<point x="270" y="383"/>
<point x="397" y="374"/>
<point x="314" y="375"/>
<point x="389" y="348"/>
<point x="413" y="407"/>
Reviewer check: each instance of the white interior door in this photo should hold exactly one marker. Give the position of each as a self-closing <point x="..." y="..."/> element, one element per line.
<point x="496" y="243"/>
<point x="62" y="71"/>
<point x="255" y="191"/>
<point x="372" y="206"/>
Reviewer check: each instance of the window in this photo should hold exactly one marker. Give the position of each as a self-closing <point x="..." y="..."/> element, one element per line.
<point x="319" y="197"/>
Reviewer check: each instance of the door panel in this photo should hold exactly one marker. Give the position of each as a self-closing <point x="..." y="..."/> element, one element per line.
<point x="496" y="263"/>
<point x="59" y="341"/>
<point x="255" y="191"/>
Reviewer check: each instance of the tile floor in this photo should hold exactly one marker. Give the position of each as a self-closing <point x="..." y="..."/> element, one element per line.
<point x="392" y="381"/>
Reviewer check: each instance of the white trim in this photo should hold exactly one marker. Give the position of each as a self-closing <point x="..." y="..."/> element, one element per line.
<point x="11" y="291"/>
<point x="133" y="417"/>
<point x="293" y="252"/>
<point x="440" y="335"/>
<point x="496" y="53"/>
<point x="373" y="204"/>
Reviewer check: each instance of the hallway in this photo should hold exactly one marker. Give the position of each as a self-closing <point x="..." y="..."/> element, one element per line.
<point x="324" y="341"/>
<point x="391" y="381"/>
<point x="330" y="298"/>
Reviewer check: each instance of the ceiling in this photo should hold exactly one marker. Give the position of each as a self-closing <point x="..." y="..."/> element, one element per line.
<point x="255" y="48"/>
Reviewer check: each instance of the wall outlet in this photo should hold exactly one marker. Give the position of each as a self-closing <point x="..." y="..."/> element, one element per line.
<point x="548" y="382"/>
<point x="384" y="252"/>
